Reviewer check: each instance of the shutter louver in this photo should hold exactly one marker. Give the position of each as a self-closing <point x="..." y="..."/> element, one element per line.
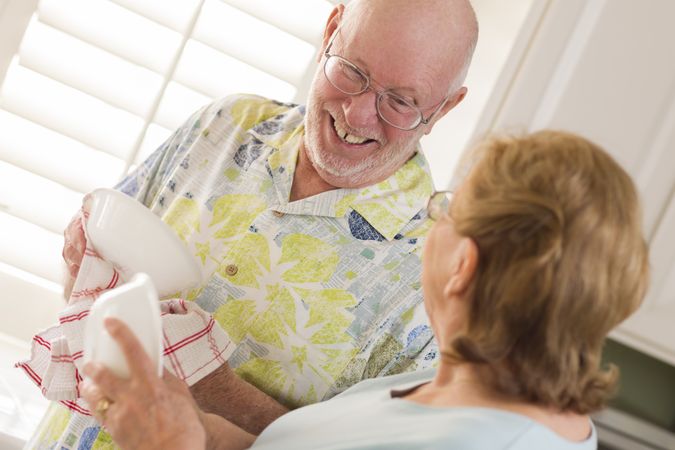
<point x="96" y="85"/>
<point x="93" y="88"/>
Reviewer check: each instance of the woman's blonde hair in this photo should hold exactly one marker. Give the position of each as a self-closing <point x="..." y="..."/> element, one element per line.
<point x="562" y="260"/>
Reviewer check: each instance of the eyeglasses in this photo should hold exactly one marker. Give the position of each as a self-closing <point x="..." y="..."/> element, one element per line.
<point x="397" y="111"/>
<point x="439" y="204"/>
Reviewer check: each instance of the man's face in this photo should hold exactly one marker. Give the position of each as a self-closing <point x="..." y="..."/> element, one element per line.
<point x="346" y="141"/>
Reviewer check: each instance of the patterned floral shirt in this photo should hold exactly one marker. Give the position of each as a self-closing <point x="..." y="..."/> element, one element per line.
<point x="318" y="293"/>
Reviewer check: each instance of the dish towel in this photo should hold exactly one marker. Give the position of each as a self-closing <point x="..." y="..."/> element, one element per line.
<point x="194" y="344"/>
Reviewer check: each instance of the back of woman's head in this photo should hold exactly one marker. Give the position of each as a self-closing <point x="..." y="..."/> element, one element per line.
<point x="562" y="261"/>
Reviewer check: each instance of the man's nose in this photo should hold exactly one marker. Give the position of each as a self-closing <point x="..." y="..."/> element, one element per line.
<point x="361" y="110"/>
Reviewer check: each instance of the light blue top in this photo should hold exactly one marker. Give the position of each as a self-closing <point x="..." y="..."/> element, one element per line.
<point x="368" y="417"/>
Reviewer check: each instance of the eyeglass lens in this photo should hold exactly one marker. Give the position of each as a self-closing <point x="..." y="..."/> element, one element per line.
<point x="439" y="203"/>
<point x="349" y="79"/>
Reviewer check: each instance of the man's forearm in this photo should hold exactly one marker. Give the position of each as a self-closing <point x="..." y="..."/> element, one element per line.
<point x="225" y="394"/>
<point x="221" y="434"/>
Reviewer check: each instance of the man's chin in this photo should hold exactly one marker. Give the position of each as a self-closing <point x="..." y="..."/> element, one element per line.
<point x="345" y="176"/>
<point x="343" y="172"/>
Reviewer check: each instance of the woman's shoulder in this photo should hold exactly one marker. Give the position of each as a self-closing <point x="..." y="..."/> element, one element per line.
<point x="506" y="430"/>
<point x="398" y="384"/>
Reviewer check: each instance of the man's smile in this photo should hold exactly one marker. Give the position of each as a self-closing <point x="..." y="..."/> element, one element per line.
<point x="350" y="139"/>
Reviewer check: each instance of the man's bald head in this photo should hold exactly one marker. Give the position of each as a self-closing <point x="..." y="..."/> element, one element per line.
<point x="447" y="30"/>
<point x="408" y="57"/>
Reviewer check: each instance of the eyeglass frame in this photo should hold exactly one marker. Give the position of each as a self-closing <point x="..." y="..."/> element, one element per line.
<point x="380" y="93"/>
<point x="433" y="212"/>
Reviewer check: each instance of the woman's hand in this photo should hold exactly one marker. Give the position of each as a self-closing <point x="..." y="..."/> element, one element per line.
<point x="144" y="412"/>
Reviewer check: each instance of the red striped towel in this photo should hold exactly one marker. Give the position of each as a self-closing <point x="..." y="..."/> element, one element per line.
<point x="194" y="344"/>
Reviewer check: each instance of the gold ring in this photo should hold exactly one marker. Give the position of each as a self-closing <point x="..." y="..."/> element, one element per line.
<point x="102" y="407"/>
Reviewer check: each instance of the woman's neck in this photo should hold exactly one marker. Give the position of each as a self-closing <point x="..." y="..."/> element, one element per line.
<point x="460" y="385"/>
<point x="454" y="385"/>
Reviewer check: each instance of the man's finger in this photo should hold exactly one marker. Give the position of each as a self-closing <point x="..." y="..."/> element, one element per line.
<point x="74" y="245"/>
<point x="70" y="257"/>
<point x="140" y="364"/>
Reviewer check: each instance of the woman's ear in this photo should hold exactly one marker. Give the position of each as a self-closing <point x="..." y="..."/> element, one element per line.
<point x="465" y="263"/>
<point x="332" y="24"/>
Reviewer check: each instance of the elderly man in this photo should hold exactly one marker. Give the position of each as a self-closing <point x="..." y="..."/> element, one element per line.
<point x="308" y="222"/>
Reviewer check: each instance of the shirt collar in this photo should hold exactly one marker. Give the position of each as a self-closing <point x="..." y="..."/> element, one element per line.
<point x="388" y="206"/>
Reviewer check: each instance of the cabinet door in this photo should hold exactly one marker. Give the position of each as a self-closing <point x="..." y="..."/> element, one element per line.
<point x="606" y="69"/>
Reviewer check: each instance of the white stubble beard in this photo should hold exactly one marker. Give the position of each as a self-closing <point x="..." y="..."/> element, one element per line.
<point x="374" y="168"/>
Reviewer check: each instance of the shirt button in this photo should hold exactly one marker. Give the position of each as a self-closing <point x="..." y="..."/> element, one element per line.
<point x="278" y="213"/>
<point x="231" y="269"/>
<point x="206" y="133"/>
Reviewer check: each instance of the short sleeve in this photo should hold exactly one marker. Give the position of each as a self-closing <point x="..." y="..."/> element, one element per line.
<point x="144" y="182"/>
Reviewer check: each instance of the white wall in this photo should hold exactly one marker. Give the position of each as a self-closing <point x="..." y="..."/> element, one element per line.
<point x="501" y="23"/>
<point x="604" y="69"/>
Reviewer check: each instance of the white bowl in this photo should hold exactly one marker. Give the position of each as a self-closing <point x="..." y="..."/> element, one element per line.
<point x="126" y="233"/>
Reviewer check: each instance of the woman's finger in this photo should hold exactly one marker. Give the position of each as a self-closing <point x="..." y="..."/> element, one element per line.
<point x="140" y="364"/>
<point x="169" y="377"/>
<point x="105" y="382"/>
<point x="97" y="401"/>
<point x="90" y="392"/>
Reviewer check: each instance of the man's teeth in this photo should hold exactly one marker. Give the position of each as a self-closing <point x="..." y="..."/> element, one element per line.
<point x="349" y="138"/>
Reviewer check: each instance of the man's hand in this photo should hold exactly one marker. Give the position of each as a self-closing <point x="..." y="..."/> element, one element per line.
<point x="146" y="411"/>
<point x="74" y="246"/>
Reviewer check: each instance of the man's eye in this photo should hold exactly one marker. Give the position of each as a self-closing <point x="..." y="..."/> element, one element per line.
<point x="400" y="101"/>
<point x="399" y="104"/>
<point x="352" y="73"/>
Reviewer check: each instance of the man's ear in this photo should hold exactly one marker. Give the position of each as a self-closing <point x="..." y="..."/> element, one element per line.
<point x="332" y="24"/>
<point x="464" y="268"/>
<point x="453" y="101"/>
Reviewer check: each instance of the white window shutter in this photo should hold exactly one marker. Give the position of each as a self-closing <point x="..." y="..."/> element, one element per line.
<point x="92" y="87"/>
<point x="88" y="89"/>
